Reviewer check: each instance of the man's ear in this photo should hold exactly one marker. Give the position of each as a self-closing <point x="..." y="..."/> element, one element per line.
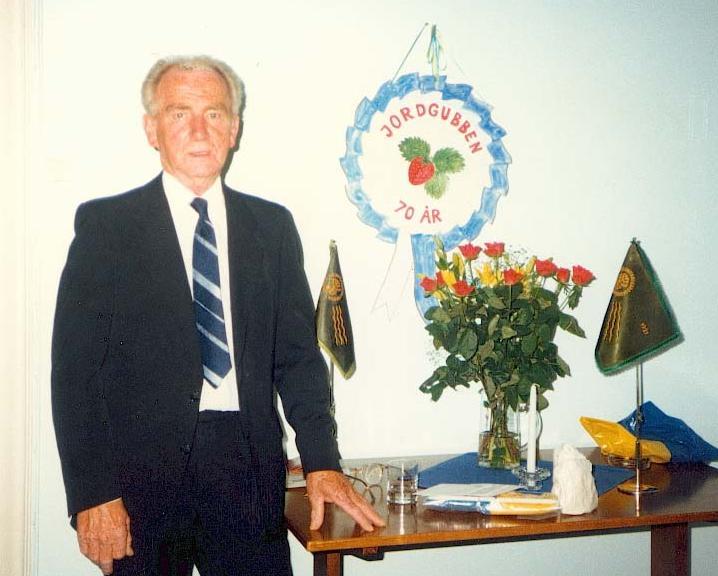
<point x="236" y="126"/>
<point x="150" y="125"/>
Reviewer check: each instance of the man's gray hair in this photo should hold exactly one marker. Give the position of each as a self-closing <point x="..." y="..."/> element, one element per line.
<point x="196" y="62"/>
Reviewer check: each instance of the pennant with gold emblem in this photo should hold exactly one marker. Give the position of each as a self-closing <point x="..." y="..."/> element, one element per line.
<point x="639" y="322"/>
<point x="334" y="328"/>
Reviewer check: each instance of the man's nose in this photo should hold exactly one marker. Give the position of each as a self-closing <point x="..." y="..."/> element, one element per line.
<point x="199" y="127"/>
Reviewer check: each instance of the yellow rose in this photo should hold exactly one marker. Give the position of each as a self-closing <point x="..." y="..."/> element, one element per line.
<point x="487" y="275"/>
<point x="448" y="277"/>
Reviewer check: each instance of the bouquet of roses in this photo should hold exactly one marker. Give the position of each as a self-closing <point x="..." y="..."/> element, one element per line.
<point x="496" y="316"/>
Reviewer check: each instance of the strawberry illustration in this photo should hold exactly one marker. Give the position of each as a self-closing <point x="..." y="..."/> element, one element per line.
<point x="420" y="171"/>
<point x="431" y="171"/>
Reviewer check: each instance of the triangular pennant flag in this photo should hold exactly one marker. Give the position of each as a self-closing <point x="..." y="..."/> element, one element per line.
<point x="638" y="323"/>
<point x="334" y="328"/>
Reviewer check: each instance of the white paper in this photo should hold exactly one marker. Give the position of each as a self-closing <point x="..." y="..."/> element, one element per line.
<point x="465" y="491"/>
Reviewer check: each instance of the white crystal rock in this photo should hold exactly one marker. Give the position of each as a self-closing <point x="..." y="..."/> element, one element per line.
<point x="573" y="482"/>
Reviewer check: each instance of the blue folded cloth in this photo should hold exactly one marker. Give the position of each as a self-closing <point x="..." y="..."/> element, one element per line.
<point x="464" y="469"/>
<point x="685" y="445"/>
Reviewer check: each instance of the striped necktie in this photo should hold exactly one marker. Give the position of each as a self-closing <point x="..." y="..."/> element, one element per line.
<point x="216" y="361"/>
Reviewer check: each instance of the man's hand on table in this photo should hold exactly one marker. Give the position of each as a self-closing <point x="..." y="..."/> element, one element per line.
<point x="103" y="533"/>
<point x="331" y="486"/>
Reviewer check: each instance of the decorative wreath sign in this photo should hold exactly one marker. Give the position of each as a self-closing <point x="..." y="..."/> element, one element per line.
<point x="424" y="158"/>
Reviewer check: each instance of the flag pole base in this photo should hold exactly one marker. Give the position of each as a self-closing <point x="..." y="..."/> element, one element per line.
<point x="637" y="488"/>
<point x="627" y="462"/>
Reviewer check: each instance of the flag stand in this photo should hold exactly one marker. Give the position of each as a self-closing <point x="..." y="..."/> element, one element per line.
<point x="637" y="487"/>
<point x="332" y="405"/>
<point x="333" y="326"/>
<point x="639" y="324"/>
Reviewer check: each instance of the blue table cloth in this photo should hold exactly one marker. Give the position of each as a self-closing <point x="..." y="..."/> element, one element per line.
<point x="465" y="470"/>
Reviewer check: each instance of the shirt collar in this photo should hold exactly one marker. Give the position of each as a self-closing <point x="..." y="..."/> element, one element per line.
<point x="179" y="193"/>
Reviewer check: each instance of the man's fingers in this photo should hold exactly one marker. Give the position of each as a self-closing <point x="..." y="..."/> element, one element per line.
<point x="92" y="551"/>
<point x="359" y="509"/>
<point x="362" y="513"/>
<point x="359" y="517"/>
<point x="105" y="561"/>
<point x="84" y="546"/>
<point x="128" y="548"/>
<point x="317" y="515"/>
<point x="368" y="510"/>
<point x="331" y="486"/>
<point x="119" y="546"/>
<point x="103" y="534"/>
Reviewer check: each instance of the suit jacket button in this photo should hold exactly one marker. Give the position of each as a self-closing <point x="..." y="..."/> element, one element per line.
<point x="186" y="448"/>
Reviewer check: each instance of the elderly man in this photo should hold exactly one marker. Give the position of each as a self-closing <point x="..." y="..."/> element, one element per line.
<point x="182" y="308"/>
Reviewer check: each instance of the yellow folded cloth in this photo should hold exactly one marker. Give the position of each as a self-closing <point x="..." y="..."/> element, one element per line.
<point x="614" y="439"/>
<point x="524" y="504"/>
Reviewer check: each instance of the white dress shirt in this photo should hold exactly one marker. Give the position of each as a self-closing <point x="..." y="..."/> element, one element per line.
<point x="225" y="396"/>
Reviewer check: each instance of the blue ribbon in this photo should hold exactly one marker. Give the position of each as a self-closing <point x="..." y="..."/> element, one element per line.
<point x="434" y="53"/>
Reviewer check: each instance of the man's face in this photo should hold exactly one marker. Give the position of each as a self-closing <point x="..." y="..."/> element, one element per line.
<point x="192" y="125"/>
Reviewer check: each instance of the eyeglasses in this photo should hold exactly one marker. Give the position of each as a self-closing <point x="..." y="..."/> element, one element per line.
<point x="366" y="480"/>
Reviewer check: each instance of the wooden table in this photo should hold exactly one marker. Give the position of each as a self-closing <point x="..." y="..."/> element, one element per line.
<point x="688" y="495"/>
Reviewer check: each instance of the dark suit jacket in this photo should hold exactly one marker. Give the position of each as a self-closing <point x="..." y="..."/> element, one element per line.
<point x="126" y="366"/>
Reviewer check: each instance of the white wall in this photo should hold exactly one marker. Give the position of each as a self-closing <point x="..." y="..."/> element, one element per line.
<point x="610" y="114"/>
<point x="14" y="453"/>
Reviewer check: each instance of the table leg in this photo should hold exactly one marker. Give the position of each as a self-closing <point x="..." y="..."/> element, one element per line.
<point x="328" y="564"/>
<point x="670" y="552"/>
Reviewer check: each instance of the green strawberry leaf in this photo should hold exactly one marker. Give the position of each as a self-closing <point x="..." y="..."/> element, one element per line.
<point x="448" y="160"/>
<point x="437" y="185"/>
<point x="412" y="147"/>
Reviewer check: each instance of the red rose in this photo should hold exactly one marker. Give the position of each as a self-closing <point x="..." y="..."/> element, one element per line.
<point x="512" y="277"/>
<point x="581" y="276"/>
<point x="469" y="251"/>
<point x="545" y="268"/>
<point x="562" y="275"/>
<point x="429" y="284"/>
<point x="461" y="288"/>
<point x="494" y="249"/>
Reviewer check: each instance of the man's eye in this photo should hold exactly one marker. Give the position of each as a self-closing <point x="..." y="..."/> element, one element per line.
<point x="179" y="115"/>
<point x="213" y="115"/>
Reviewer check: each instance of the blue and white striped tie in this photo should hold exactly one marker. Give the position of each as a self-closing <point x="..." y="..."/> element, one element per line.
<point x="209" y="314"/>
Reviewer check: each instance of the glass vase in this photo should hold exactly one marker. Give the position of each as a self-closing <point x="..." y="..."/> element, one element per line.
<point x="499" y="437"/>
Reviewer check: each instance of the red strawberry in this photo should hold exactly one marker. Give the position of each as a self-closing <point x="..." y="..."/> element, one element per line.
<point x="420" y="171"/>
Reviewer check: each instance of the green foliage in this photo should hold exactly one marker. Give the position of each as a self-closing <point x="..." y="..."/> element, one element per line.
<point x="436" y="186"/>
<point x="448" y="160"/>
<point x="498" y="335"/>
<point x="574" y="296"/>
<point x="412" y="147"/>
<point x="570" y="324"/>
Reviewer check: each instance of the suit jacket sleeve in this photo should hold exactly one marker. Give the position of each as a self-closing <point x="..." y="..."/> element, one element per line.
<point x="83" y="319"/>
<point x="300" y="371"/>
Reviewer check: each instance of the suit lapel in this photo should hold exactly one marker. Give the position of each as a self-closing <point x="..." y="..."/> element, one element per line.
<point x="246" y="265"/>
<point x="157" y="231"/>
